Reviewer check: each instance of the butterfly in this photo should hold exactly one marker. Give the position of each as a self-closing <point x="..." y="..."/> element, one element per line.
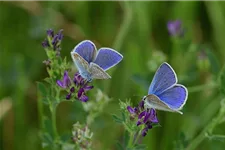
<point x="92" y="64"/>
<point x="164" y="93"/>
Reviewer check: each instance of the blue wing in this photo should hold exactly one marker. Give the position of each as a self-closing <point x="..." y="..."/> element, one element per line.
<point x="107" y="58"/>
<point x="174" y="97"/>
<point x="86" y="49"/>
<point x="163" y="79"/>
<point x="82" y="65"/>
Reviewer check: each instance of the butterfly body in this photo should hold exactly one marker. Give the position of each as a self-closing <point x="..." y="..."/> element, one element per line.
<point x="164" y="92"/>
<point x="92" y="64"/>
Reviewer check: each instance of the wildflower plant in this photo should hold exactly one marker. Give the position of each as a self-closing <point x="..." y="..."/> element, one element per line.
<point x="62" y="85"/>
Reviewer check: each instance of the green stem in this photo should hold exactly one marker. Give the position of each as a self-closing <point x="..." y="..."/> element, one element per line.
<point x="215" y="136"/>
<point x="54" y="128"/>
<point x="131" y="139"/>
<point x="202" y="87"/>
<point x="124" y="27"/>
<point x="208" y="129"/>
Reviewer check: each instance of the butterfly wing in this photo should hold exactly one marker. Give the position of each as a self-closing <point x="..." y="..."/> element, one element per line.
<point x="164" y="78"/>
<point x="152" y="101"/>
<point x="107" y="58"/>
<point x="97" y="72"/>
<point x="81" y="64"/>
<point x="86" y="49"/>
<point x="174" y="97"/>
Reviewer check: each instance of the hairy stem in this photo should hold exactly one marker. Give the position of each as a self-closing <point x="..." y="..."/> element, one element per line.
<point x="202" y="87"/>
<point x="124" y="27"/>
<point x="208" y="129"/>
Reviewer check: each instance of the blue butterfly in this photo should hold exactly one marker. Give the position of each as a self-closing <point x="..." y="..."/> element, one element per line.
<point x="92" y="64"/>
<point x="164" y="92"/>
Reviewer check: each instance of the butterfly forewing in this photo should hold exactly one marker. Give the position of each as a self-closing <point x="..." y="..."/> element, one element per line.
<point x="107" y="58"/>
<point x="81" y="64"/>
<point x="152" y="101"/>
<point x="163" y="79"/>
<point x="87" y="50"/>
<point x="97" y="72"/>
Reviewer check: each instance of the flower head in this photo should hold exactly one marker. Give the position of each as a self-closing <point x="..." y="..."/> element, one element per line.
<point x="81" y="135"/>
<point x="144" y="116"/>
<point x="77" y="89"/>
<point x="66" y="82"/>
<point x="175" y="28"/>
<point x="53" y="41"/>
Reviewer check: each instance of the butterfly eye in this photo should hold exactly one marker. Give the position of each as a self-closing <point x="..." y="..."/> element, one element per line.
<point x="144" y="98"/>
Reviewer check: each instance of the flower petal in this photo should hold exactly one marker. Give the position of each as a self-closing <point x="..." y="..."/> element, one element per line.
<point x="141" y="104"/>
<point x="72" y="90"/>
<point x="60" y="83"/>
<point x="130" y="109"/>
<point x="153" y="117"/>
<point x="87" y="88"/>
<point x="142" y="114"/>
<point x="68" y="96"/>
<point x="66" y="79"/>
<point x="83" y="98"/>
<point x="144" y="132"/>
<point x="80" y="93"/>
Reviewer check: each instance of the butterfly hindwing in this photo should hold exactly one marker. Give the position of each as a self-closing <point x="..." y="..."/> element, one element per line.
<point x="175" y="97"/>
<point x="107" y="58"/>
<point x="152" y="101"/>
<point x="87" y="50"/>
<point x="97" y="72"/>
<point x="163" y="79"/>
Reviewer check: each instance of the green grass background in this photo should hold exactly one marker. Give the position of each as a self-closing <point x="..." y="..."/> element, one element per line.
<point x="135" y="29"/>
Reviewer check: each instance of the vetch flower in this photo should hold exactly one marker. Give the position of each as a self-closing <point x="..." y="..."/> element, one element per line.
<point x="144" y="116"/>
<point x="175" y="28"/>
<point x="66" y="82"/>
<point x="77" y="89"/>
<point x="81" y="136"/>
<point x="53" y="41"/>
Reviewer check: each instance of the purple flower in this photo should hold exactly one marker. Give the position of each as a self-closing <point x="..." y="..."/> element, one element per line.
<point x="68" y="96"/>
<point x="50" y="33"/>
<point x="54" y="41"/>
<point x="66" y="82"/>
<point x="130" y="109"/>
<point x="60" y="35"/>
<point x="78" y="88"/>
<point x="78" y="80"/>
<point x="145" y="116"/>
<point x="45" y="44"/>
<point x="175" y="28"/>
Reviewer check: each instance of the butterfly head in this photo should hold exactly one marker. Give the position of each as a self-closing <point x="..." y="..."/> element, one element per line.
<point x="144" y="98"/>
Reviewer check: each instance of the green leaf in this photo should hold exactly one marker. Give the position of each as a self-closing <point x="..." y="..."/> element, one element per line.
<point x="140" y="147"/>
<point x="119" y="146"/>
<point x="215" y="67"/>
<point x="117" y="119"/>
<point x="46" y="140"/>
<point x="68" y="146"/>
<point x="126" y="138"/>
<point x="42" y="89"/>
<point x="123" y="116"/>
<point x="222" y="81"/>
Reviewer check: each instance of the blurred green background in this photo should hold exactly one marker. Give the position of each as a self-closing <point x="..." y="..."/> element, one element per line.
<point x="138" y="30"/>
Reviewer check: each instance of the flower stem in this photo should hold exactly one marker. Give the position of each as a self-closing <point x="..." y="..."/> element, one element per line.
<point x="202" y="87"/>
<point x="208" y="129"/>
<point x="54" y="127"/>
<point x="131" y="139"/>
<point x="124" y="27"/>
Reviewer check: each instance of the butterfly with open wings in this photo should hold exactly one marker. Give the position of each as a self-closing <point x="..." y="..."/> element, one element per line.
<point x="164" y="93"/>
<point x="93" y="64"/>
